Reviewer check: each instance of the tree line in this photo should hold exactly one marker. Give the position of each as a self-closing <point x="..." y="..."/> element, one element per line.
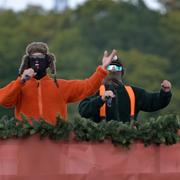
<point x="147" y="41"/>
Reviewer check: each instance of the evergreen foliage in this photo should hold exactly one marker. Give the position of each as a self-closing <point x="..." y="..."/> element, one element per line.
<point x="161" y="130"/>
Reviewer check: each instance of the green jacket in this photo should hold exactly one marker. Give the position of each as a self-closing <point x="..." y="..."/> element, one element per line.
<point x="120" y="107"/>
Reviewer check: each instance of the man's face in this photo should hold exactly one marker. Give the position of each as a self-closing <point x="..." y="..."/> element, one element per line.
<point x="38" y="62"/>
<point x="115" y="73"/>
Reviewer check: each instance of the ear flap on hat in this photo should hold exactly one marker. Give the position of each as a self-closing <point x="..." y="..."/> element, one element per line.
<point x="24" y="64"/>
<point x="52" y="63"/>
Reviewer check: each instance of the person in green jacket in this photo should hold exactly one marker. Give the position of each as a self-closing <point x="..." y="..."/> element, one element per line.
<point x="119" y="103"/>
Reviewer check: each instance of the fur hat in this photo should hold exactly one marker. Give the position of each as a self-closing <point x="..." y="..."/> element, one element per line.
<point x="40" y="47"/>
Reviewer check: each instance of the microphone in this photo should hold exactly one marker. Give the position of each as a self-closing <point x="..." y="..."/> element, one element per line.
<point x="109" y="98"/>
<point x="109" y="101"/>
<point x="27" y="77"/>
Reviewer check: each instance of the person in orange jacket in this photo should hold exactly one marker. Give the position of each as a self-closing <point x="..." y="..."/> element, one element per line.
<point x="36" y="95"/>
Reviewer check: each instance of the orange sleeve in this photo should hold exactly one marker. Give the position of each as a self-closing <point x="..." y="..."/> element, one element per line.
<point x="76" y="90"/>
<point x="9" y="94"/>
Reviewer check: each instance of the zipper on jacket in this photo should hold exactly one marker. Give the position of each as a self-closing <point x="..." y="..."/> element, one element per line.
<point x="40" y="99"/>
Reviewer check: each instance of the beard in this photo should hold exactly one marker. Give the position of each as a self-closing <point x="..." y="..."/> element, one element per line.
<point x="113" y="78"/>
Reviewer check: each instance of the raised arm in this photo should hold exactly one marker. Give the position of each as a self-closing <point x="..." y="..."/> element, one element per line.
<point x="155" y="101"/>
<point x="75" y="90"/>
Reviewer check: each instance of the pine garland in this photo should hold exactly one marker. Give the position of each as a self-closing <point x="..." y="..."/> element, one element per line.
<point x="161" y="130"/>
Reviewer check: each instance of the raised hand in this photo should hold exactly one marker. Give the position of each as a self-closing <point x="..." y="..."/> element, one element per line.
<point x="107" y="58"/>
<point x="166" y="86"/>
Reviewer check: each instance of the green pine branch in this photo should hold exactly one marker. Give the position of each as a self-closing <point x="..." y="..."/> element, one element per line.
<point x="161" y="130"/>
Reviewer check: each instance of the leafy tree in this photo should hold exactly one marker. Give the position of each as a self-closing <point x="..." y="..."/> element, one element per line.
<point x="148" y="41"/>
<point x="170" y="4"/>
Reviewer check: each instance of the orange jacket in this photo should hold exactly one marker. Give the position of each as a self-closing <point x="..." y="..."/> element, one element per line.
<point x="42" y="99"/>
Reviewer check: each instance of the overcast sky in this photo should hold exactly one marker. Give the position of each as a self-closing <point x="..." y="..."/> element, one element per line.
<point x="21" y="4"/>
<point x="48" y="4"/>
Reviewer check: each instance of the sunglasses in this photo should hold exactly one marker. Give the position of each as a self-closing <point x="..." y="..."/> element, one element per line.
<point x="113" y="67"/>
<point x="41" y="56"/>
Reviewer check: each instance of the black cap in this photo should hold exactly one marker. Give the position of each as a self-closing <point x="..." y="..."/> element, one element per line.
<point x="116" y="61"/>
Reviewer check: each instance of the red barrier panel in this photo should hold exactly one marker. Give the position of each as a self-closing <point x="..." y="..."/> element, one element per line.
<point x="35" y="159"/>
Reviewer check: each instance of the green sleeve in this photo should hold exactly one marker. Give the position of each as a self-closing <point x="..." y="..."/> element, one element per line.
<point x="89" y="107"/>
<point x="149" y="102"/>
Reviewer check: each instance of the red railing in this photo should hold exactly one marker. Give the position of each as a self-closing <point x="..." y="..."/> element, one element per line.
<point x="35" y="159"/>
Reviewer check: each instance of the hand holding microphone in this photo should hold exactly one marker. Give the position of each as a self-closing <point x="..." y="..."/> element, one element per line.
<point x="27" y="74"/>
<point x="107" y="97"/>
